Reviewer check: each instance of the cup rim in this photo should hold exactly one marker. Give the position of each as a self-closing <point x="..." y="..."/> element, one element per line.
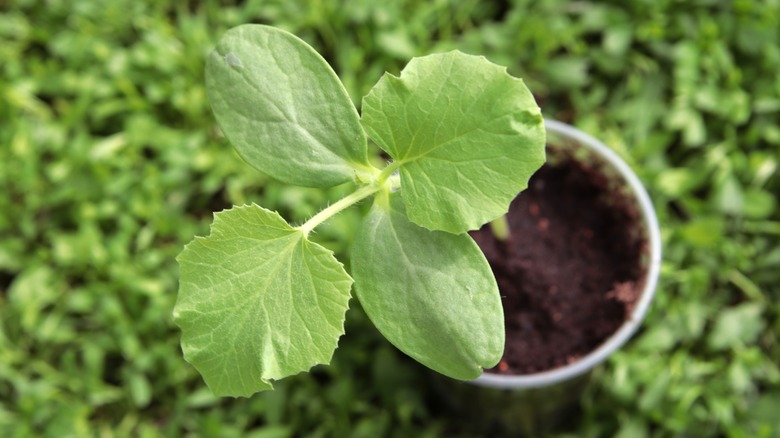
<point x="597" y="356"/>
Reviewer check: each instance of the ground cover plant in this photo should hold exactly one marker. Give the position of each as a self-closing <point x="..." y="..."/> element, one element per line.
<point x="110" y="161"/>
<point x="260" y="301"/>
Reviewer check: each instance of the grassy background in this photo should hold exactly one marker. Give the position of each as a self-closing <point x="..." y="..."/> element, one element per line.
<point x="110" y="161"/>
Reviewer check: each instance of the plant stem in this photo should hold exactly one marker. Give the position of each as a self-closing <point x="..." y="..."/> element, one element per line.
<point x="340" y="205"/>
<point x="388" y="171"/>
<point x="386" y="180"/>
<point x="500" y="228"/>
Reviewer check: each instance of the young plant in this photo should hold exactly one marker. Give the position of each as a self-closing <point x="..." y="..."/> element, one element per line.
<point x="259" y="301"/>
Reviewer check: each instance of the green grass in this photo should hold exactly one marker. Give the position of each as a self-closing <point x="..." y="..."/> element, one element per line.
<point x="110" y="161"/>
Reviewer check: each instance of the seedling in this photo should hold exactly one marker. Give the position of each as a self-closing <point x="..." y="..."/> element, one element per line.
<point x="259" y="301"/>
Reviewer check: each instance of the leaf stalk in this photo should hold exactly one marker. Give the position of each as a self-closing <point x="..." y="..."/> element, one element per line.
<point x="387" y="180"/>
<point x="388" y="171"/>
<point x="343" y="203"/>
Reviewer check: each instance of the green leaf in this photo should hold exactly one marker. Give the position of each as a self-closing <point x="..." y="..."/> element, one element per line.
<point x="738" y="325"/>
<point x="759" y="204"/>
<point x="257" y="301"/>
<point x="284" y="109"/>
<point x="430" y="293"/>
<point x="704" y="232"/>
<point x="467" y="137"/>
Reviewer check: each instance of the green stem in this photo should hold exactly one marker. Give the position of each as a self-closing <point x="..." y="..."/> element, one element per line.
<point x="385" y="180"/>
<point x="500" y="228"/>
<point x="388" y="171"/>
<point x="340" y="205"/>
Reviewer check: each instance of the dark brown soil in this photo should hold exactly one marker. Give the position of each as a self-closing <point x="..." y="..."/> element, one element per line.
<point x="571" y="271"/>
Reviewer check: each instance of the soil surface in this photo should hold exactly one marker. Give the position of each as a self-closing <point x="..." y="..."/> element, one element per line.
<point x="570" y="272"/>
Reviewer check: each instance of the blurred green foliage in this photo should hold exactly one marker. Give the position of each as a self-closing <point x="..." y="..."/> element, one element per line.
<point x="110" y="162"/>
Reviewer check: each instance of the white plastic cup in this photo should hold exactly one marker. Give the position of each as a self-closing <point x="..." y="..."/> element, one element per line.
<point x="533" y="404"/>
<point x="558" y="132"/>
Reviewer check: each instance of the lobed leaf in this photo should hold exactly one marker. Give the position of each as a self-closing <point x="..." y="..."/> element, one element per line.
<point x="283" y="108"/>
<point x="466" y="134"/>
<point x="258" y="302"/>
<point x="431" y="294"/>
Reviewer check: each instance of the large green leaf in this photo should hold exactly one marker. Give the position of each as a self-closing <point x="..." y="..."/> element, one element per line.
<point x="466" y="134"/>
<point x="432" y="294"/>
<point x="257" y="301"/>
<point x="283" y="108"/>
